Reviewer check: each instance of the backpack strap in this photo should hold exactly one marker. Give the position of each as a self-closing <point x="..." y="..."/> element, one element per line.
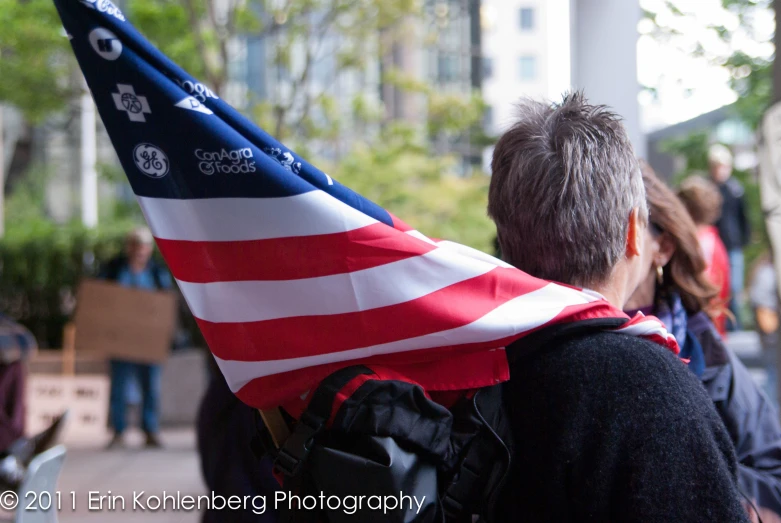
<point x="484" y="463"/>
<point x="297" y="446"/>
<point x="276" y="425"/>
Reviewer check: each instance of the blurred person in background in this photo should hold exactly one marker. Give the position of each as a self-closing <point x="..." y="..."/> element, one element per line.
<point x="764" y="303"/>
<point x="703" y="202"/>
<point x="137" y="269"/>
<point x="17" y="344"/>
<point x="677" y="291"/>
<point x="733" y="225"/>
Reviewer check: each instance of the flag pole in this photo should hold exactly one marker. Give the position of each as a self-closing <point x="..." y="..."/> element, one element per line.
<point x="89" y="175"/>
<point x="276" y="425"/>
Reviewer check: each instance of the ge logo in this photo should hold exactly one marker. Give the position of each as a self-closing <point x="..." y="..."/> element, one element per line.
<point x="131" y="103"/>
<point x="105" y="43"/>
<point x="150" y="160"/>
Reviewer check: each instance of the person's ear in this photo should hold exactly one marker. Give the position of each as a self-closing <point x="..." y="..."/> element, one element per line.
<point x="666" y="250"/>
<point x="634" y="235"/>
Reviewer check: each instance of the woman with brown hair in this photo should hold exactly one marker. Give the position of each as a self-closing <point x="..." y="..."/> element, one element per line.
<point x="678" y="291"/>
<point x="703" y="201"/>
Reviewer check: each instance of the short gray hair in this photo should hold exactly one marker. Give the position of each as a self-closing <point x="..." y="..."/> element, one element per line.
<point x="141" y="235"/>
<point x="565" y="180"/>
<point x="719" y="155"/>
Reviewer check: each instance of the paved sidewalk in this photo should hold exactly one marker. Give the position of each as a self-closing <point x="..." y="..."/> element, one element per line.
<point x="132" y="470"/>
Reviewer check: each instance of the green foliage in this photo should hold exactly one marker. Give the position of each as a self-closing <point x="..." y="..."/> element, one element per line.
<point x="693" y="148"/>
<point x="166" y="24"/>
<point x="42" y="266"/>
<point x="36" y="63"/>
<point x="751" y="74"/>
<point x="398" y="174"/>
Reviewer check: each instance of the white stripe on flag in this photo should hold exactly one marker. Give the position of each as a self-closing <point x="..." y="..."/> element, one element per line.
<point x="513" y="317"/>
<point x="237" y="219"/>
<point x="645" y="328"/>
<point x="389" y="284"/>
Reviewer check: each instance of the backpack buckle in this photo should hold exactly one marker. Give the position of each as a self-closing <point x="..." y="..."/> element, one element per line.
<point x="297" y="446"/>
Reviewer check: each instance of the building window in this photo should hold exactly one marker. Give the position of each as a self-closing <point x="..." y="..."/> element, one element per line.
<point x="447" y="65"/>
<point x="527" y="68"/>
<point x="488" y="67"/>
<point x="488" y="118"/>
<point x="526" y="18"/>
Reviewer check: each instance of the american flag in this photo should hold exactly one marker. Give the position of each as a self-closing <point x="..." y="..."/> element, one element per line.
<point x="290" y="274"/>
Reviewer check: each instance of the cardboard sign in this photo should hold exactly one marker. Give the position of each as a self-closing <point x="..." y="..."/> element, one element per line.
<point x="85" y="398"/>
<point x="124" y="323"/>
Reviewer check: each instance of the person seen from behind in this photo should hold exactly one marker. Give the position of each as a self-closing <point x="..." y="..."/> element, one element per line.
<point x="677" y="291"/>
<point x="606" y="426"/>
<point x="733" y="224"/>
<point x="703" y="202"/>
<point x="137" y="269"/>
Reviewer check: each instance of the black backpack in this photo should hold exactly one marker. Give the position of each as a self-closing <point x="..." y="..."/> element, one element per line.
<point x="369" y="448"/>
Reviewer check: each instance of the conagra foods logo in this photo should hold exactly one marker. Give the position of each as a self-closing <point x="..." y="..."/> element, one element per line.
<point x="226" y="161"/>
<point x="151" y="160"/>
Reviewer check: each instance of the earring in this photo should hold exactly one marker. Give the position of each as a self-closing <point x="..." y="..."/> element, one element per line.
<point x="659" y="274"/>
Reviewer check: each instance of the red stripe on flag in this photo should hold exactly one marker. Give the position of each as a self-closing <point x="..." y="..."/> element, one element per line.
<point x="456" y="305"/>
<point x="290" y="258"/>
<point x="453" y="370"/>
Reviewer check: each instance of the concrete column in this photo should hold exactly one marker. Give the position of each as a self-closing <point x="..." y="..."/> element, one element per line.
<point x="604" y="58"/>
<point x="89" y="175"/>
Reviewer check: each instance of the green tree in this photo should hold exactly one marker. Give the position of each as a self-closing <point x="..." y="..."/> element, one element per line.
<point x="37" y="70"/>
<point x="399" y="174"/>
<point x="299" y="34"/>
<point x="395" y="168"/>
<point x="740" y="46"/>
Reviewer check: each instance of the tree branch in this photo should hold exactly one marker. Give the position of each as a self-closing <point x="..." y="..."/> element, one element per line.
<point x="200" y="45"/>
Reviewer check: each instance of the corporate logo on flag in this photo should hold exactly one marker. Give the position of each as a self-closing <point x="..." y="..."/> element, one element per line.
<point x="226" y="161"/>
<point x="150" y="160"/>
<point x="105" y="6"/>
<point x="193" y="104"/>
<point x="285" y="158"/>
<point x="105" y="43"/>
<point x="198" y="90"/>
<point x="134" y="105"/>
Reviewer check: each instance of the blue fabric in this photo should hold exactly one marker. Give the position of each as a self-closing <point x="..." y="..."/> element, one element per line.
<point x="148" y="379"/>
<point x="736" y="271"/>
<point x="16" y="341"/>
<point x="672" y="313"/>
<point x="144" y="279"/>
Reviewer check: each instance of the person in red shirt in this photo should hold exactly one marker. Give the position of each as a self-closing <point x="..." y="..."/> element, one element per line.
<point x="703" y="201"/>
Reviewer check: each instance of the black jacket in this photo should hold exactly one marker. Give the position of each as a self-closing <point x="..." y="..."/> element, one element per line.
<point x="613" y="428"/>
<point x="733" y="225"/>
<point x="751" y="420"/>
